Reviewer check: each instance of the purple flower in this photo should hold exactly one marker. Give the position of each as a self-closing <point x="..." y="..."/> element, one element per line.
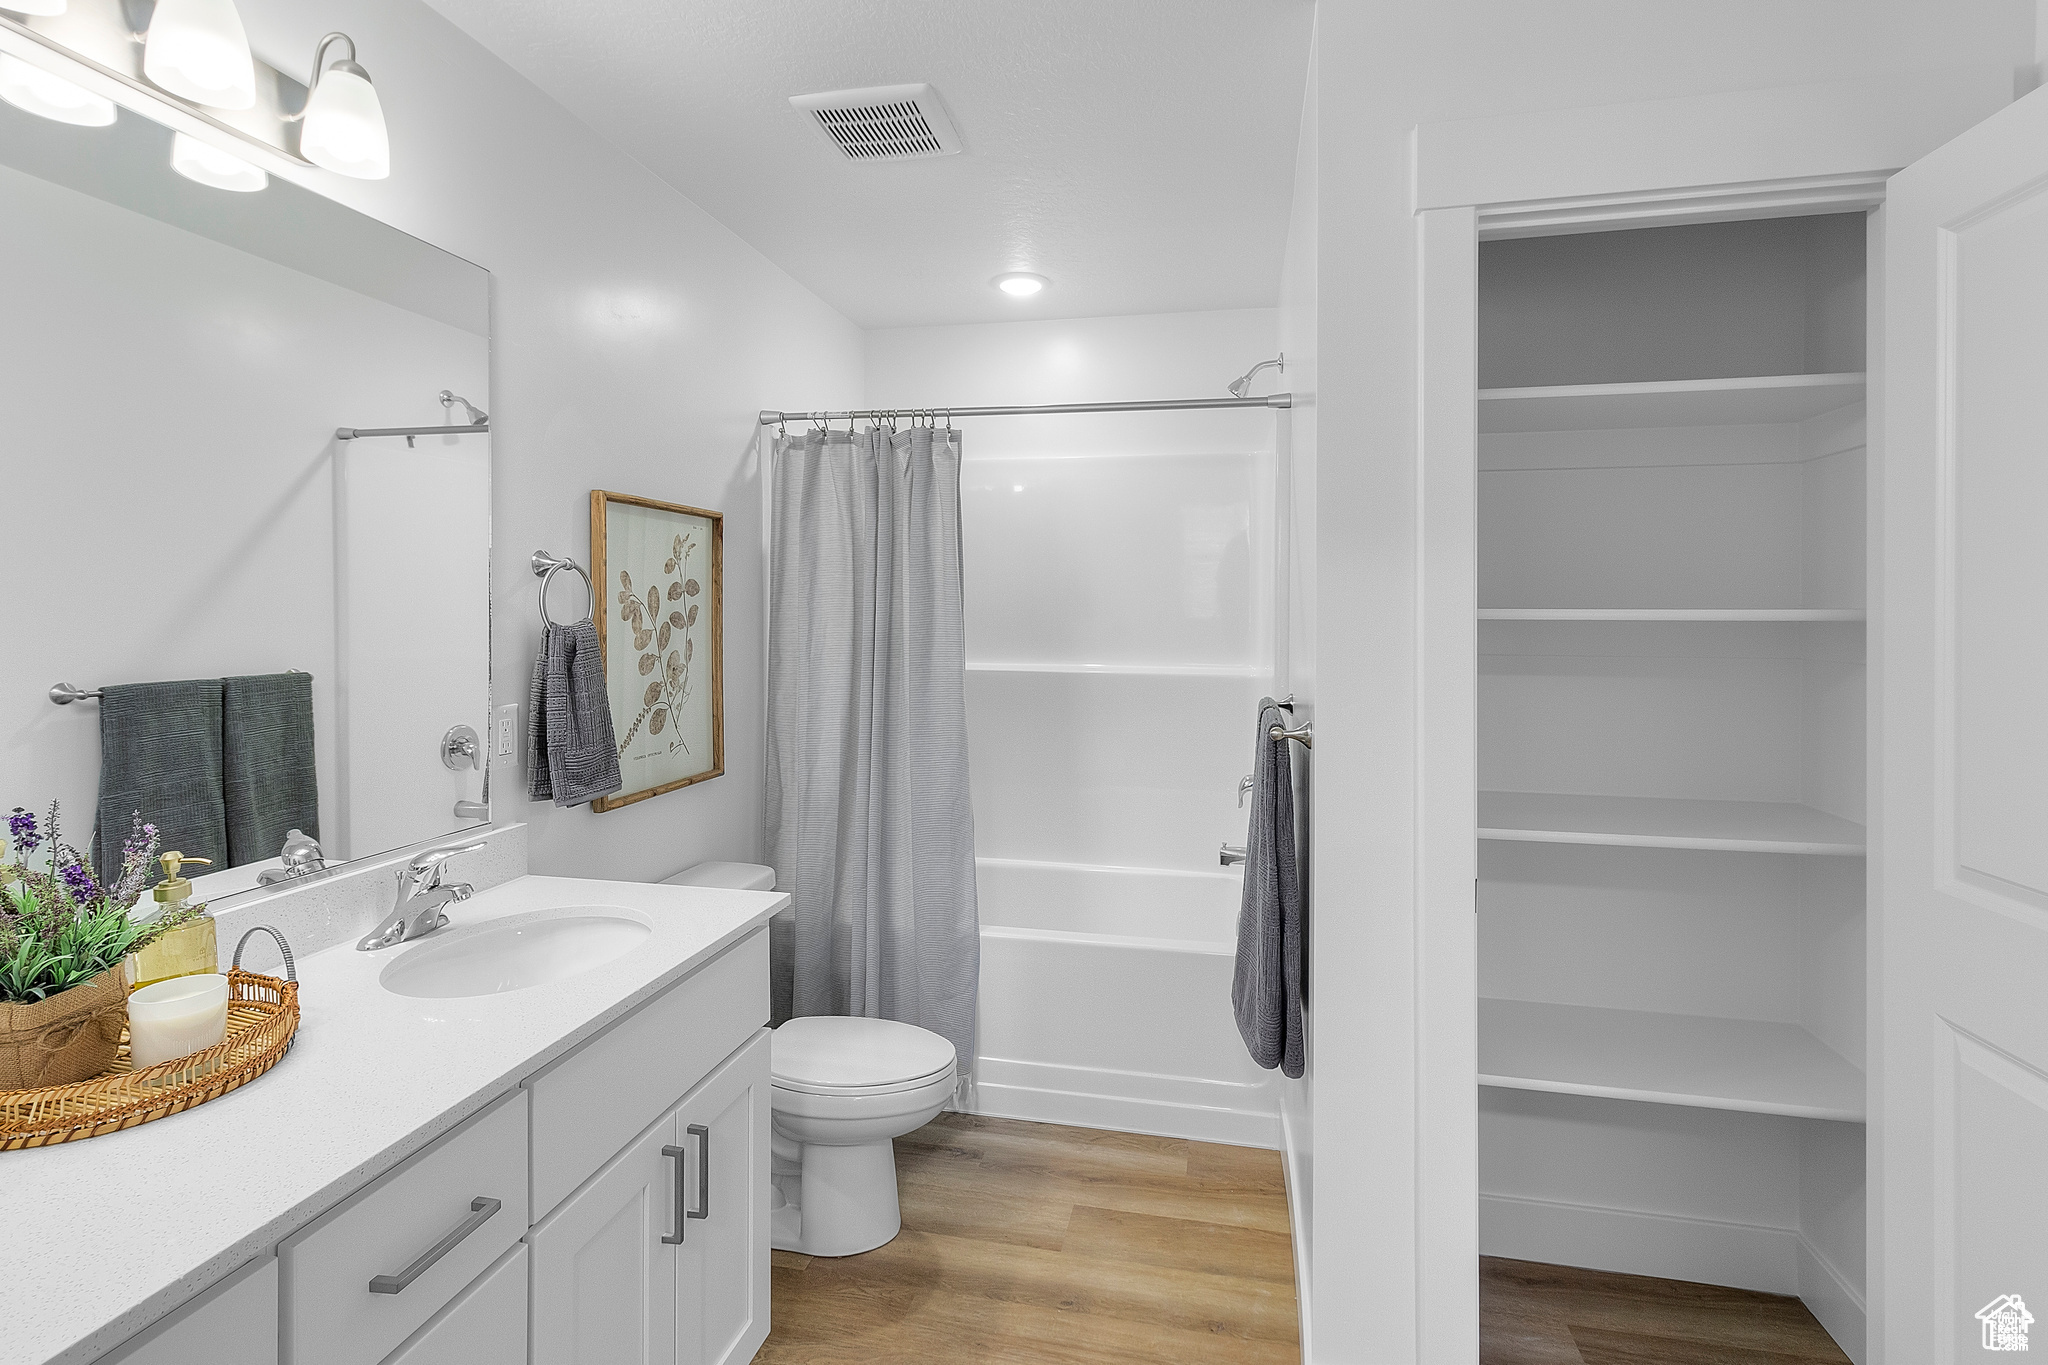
<point x="79" y="883"/>
<point x="21" y="827"/>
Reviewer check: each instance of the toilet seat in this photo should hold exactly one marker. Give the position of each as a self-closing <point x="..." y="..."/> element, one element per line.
<point x="838" y="1055"/>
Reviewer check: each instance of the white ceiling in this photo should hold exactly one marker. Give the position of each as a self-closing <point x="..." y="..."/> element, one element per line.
<point x="1140" y="153"/>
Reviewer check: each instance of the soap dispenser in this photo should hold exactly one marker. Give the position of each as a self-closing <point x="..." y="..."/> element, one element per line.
<point x="186" y="949"/>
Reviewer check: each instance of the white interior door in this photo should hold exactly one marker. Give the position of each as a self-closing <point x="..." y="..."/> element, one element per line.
<point x="1960" y="1140"/>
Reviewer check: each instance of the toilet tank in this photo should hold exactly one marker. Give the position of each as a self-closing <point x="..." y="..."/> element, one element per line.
<point x="735" y="876"/>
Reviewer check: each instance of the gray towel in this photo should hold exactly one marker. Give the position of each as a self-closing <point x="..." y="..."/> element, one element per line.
<point x="267" y="768"/>
<point x="573" y="755"/>
<point x="160" y="754"/>
<point x="1265" y="992"/>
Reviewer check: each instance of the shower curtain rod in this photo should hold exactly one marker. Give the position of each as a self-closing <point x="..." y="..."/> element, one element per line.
<point x="770" y="418"/>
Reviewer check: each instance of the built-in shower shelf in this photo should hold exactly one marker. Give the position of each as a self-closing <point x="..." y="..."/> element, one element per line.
<point x="1759" y="400"/>
<point x="1671" y="614"/>
<point x="1665" y="822"/>
<point x="1692" y="1060"/>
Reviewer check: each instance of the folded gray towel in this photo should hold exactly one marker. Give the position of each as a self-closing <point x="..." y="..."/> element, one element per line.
<point x="160" y="754"/>
<point x="1265" y="990"/>
<point x="270" y="784"/>
<point x="573" y="756"/>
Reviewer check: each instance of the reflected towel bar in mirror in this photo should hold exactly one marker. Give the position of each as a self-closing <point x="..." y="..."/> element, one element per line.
<point x="65" y="693"/>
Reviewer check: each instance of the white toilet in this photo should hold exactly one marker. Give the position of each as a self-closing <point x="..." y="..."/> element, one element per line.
<point x="844" y="1090"/>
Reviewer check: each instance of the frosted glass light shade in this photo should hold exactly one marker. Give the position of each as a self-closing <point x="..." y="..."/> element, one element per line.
<point x="37" y="6"/>
<point x="344" y="128"/>
<point x="37" y="91"/>
<point x="197" y="49"/>
<point x="209" y="165"/>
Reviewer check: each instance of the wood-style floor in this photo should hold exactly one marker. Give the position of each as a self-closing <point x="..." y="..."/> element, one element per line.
<point x="1531" y="1314"/>
<point x="1034" y="1244"/>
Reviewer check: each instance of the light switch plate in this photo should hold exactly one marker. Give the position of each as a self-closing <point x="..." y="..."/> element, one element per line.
<point x="505" y="731"/>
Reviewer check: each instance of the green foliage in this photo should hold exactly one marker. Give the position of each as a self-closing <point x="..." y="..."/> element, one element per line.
<point x="49" y="946"/>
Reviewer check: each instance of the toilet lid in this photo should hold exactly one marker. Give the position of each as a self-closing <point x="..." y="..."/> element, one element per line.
<point x="826" y="1053"/>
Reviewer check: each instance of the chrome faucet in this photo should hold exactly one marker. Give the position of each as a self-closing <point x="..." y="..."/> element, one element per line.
<point x="301" y="857"/>
<point x="422" y="896"/>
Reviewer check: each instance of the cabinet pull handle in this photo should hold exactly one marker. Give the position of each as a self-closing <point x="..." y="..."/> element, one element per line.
<point x="703" y="1136"/>
<point x="480" y="1211"/>
<point x="677" y="1154"/>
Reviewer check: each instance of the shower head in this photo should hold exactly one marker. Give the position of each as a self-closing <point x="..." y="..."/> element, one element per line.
<point x="1243" y="382"/>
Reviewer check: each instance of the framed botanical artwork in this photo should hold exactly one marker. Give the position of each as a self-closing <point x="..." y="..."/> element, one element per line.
<point x="660" y="572"/>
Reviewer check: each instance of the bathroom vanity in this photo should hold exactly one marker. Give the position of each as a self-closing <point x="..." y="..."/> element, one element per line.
<point x="432" y="1176"/>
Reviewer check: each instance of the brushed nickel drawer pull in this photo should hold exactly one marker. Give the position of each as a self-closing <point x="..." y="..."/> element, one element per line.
<point x="703" y="1136"/>
<point x="480" y="1211"/>
<point x="677" y="1154"/>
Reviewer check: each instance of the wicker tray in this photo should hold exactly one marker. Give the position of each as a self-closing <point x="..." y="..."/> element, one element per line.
<point x="263" y="1014"/>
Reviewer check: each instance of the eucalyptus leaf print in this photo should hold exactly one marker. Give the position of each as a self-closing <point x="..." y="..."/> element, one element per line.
<point x="656" y="635"/>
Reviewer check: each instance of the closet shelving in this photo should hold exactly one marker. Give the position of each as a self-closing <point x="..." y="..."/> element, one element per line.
<point x="1671" y="638"/>
<point x="1666" y="822"/>
<point x="1753" y="1066"/>
<point x="1755" y="401"/>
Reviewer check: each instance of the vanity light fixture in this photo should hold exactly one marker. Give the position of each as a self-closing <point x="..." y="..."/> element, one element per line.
<point x="344" y="121"/>
<point x="197" y="49"/>
<point x="36" y="91"/>
<point x="209" y="165"/>
<point x="1021" y="284"/>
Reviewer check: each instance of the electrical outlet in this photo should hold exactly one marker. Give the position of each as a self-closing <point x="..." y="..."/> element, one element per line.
<point x="505" y="731"/>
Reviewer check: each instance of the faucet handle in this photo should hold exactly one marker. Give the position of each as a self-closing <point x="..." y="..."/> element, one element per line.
<point x="429" y="860"/>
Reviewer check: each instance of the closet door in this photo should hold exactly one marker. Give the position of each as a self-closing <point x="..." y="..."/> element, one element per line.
<point x="1961" y="1147"/>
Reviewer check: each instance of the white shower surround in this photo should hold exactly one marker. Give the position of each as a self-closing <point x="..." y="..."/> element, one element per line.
<point x="1119" y="604"/>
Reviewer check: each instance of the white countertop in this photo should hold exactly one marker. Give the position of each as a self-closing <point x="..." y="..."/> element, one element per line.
<point x="104" y="1236"/>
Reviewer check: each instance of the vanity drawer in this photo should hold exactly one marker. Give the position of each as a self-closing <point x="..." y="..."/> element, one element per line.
<point x="331" y="1314"/>
<point x="590" y="1104"/>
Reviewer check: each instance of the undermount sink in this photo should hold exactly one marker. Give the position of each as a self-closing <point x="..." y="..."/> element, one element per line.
<point x="527" y="951"/>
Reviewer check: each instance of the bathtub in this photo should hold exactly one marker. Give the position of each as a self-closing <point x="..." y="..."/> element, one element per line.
<point x="1105" y="1003"/>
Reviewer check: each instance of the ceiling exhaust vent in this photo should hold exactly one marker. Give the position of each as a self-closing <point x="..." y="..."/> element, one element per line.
<point x="883" y="122"/>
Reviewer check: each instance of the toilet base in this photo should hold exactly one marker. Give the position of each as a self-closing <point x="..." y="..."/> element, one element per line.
<point x="843" y="1200"/>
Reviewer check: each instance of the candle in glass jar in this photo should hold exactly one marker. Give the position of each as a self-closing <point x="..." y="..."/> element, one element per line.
<point x="176" y="1017"/>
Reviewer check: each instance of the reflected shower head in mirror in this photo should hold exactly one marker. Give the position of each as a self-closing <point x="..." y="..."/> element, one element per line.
<point x="1243" y="382"/>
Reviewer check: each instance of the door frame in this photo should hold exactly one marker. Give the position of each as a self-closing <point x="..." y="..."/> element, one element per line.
<point x="1542" y="189"/>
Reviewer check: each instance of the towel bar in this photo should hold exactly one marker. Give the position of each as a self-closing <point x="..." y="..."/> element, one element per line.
<point x="1305" y="736"/>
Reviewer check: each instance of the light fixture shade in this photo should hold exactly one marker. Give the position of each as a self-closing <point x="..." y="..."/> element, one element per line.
<point x="209" y="165"/>
<point x="1020" y="284"/>
<point x="35" y="90"/>
<point x="197" y="49"/>
<point x="344" y="128"/>
<point x="38" y="7"/>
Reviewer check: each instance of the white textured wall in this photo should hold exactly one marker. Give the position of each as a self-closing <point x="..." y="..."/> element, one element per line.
<point x="1374" y="1298"/>
<point x="633" y="337"/>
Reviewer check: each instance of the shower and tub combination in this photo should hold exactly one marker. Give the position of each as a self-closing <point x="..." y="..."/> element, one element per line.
<point x="1119" y="600"/>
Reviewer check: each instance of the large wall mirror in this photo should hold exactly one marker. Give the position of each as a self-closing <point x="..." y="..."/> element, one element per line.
<point x="282" y="627"/>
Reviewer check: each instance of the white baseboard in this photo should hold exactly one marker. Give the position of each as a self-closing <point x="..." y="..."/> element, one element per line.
<point x="1832" y="1299"/>
<point x="1742" y="1255"/>
<point x="1128" y="1101"/>
<point x="1299" y="1228"/>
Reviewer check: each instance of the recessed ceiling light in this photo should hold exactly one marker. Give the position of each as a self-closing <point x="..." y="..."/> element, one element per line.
<point x="1020" y="284"/>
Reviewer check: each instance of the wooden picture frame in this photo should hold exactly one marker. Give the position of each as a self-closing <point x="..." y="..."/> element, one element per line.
<point x="655" y="647"/>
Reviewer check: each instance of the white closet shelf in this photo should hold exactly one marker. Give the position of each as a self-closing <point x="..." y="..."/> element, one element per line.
<point x="1671" y="614"/>
<point x="1692" y="1060"/>
<point x="1673" y="403"/>
<point x="1665" y="822"/>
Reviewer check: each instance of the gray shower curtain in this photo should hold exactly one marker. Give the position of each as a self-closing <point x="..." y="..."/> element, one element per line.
<point x="869" y="823"/>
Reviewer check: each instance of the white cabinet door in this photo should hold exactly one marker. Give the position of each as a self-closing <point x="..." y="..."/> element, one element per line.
<point x="722" y="1265"/>
<point x="604" y="1280"/>
<point x="234" y="1323"/>
<point x="1960" y="1113"/>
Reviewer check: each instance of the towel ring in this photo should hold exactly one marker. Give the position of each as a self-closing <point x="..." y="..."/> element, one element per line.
<point x="545" y="567"/>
